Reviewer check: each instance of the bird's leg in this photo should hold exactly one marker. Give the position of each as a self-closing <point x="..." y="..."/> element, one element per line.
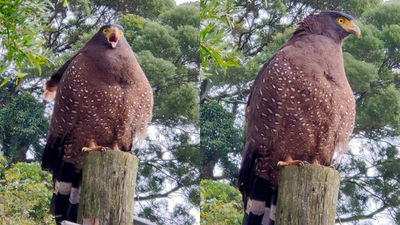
<point x="289" y="161"/>
<point x="316" y="162"/>
<point x="115" y="146"/>
<point x="93" y="147"/>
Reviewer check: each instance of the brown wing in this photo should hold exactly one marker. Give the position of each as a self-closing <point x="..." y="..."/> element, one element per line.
<point x="251" y="146"/>
<point x="66" y="111"/>
<point x="51" y="85"/>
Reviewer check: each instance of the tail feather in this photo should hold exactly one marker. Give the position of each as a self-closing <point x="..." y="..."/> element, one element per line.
<point x="260" y="203"/>
<point x="52" y="154"/>
<point x="259" y="197"/>
<point x="65" y="201"/>
<point x="248" y="162"/>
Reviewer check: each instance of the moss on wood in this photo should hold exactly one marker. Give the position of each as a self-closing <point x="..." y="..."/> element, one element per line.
<point x="108" y="186"/>
<point x="307" y="195"/>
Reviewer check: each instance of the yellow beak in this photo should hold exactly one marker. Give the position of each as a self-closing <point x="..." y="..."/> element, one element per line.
<point x="352" y="28"/>
<point x="356" y="31"/>
<point x="113" y="36"/>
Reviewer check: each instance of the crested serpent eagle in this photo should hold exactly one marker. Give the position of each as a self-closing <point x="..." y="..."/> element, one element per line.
<point x="301" y="108"/>
<point x="102" y="99"/>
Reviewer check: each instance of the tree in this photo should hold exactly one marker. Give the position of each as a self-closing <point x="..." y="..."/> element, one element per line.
<point x="149" y="9"/>
<point x="21" y="42"/>
<point x="167" y="48"/>
<point x="219" y="138"/>
<point x="371" y="168"/>
<point x="220" y="203"/>
<point x="22" y="126"/>
<point x="216" y="22"/>
<point x="25" y="194"/>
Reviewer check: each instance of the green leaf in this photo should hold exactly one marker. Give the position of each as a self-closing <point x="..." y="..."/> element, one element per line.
<point x="2" y="68"/>
<point x="21" y="75"/>
<point x="5" y="3"/>
<point x="5" y="81"/>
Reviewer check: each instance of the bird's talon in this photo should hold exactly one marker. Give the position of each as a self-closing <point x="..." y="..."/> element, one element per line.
<point x="281" y="163"/>
<point x="304" y="163"/>
<point x="95" y="148"/>
<point x="292" y="162"/>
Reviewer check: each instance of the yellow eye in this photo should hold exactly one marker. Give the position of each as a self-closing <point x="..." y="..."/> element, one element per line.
<point x="121" y="33"/>
<point x="340" y="20"/>
<point x="105" y="30"/>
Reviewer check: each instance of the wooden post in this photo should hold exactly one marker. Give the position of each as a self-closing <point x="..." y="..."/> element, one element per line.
<point x="108" y="186"/>
<point x="307" y="195"/>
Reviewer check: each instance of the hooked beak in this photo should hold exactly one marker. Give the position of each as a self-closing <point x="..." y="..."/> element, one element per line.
<point x="352" y="28"/>
<point x="356" y="31"/>
<point x="113" y="37"/>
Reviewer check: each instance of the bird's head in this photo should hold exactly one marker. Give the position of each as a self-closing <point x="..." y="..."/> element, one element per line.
<point x="112" y="34"/>
<point x="337" y="25"/>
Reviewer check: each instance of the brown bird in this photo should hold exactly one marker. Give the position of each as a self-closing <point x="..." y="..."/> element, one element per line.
<point x="301" y="108"/>
<point x="102" y="99"/>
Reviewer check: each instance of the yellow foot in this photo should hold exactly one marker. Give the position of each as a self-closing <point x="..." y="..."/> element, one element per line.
<point x="292" y="162"/>
<point x="95" y="148"/>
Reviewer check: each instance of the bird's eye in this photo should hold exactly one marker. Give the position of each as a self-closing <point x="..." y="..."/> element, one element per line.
<point x="121" y="33"/>
<point x="340" y="20"/>
<point x="105" y="30"/>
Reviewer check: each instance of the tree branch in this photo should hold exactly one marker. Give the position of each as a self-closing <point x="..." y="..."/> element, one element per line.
<point x="153" y="196"/>
<point x="361" y="217"/>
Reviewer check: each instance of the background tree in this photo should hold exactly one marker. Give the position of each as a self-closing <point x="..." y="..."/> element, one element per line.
<point x="165" y="39"/>
<point x="221" y="203"/>
<point x="222" y="140"/>
<point x="217" y="22"/>
<point x="22" y="125"/>
<point x="19" y="34"/>
<point x="25" y="193"/>
<point x="371" y="168"/>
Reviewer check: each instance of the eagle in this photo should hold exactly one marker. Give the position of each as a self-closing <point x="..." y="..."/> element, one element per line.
<point x="102" y="99"/>
<point x="301" y="109"/>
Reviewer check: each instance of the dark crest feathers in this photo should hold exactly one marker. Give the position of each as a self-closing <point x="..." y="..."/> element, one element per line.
<point x="319" y="23"/>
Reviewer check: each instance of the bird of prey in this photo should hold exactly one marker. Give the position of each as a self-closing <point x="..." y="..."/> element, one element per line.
<point x="102" y="99"/>
<point x="301" y="108"/>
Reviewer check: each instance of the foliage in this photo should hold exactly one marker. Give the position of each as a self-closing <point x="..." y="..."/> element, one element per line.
<point x="371" y="167"/>
<point x="165" y="40"/>
<point x="182" y="16"/>
<point x="215" y="24"/>
<point x="220" y="203"/>
<point x="22" y="126"/>
<point x="25" y="194"/>
<point x="21" y="41"/>
<point x="219" y="138"/>
<point x="146" y="8"/>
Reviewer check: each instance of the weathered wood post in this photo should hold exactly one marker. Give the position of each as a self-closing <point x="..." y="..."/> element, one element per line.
<point x="108" y="186"/>
<point x="307" y="195"/>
